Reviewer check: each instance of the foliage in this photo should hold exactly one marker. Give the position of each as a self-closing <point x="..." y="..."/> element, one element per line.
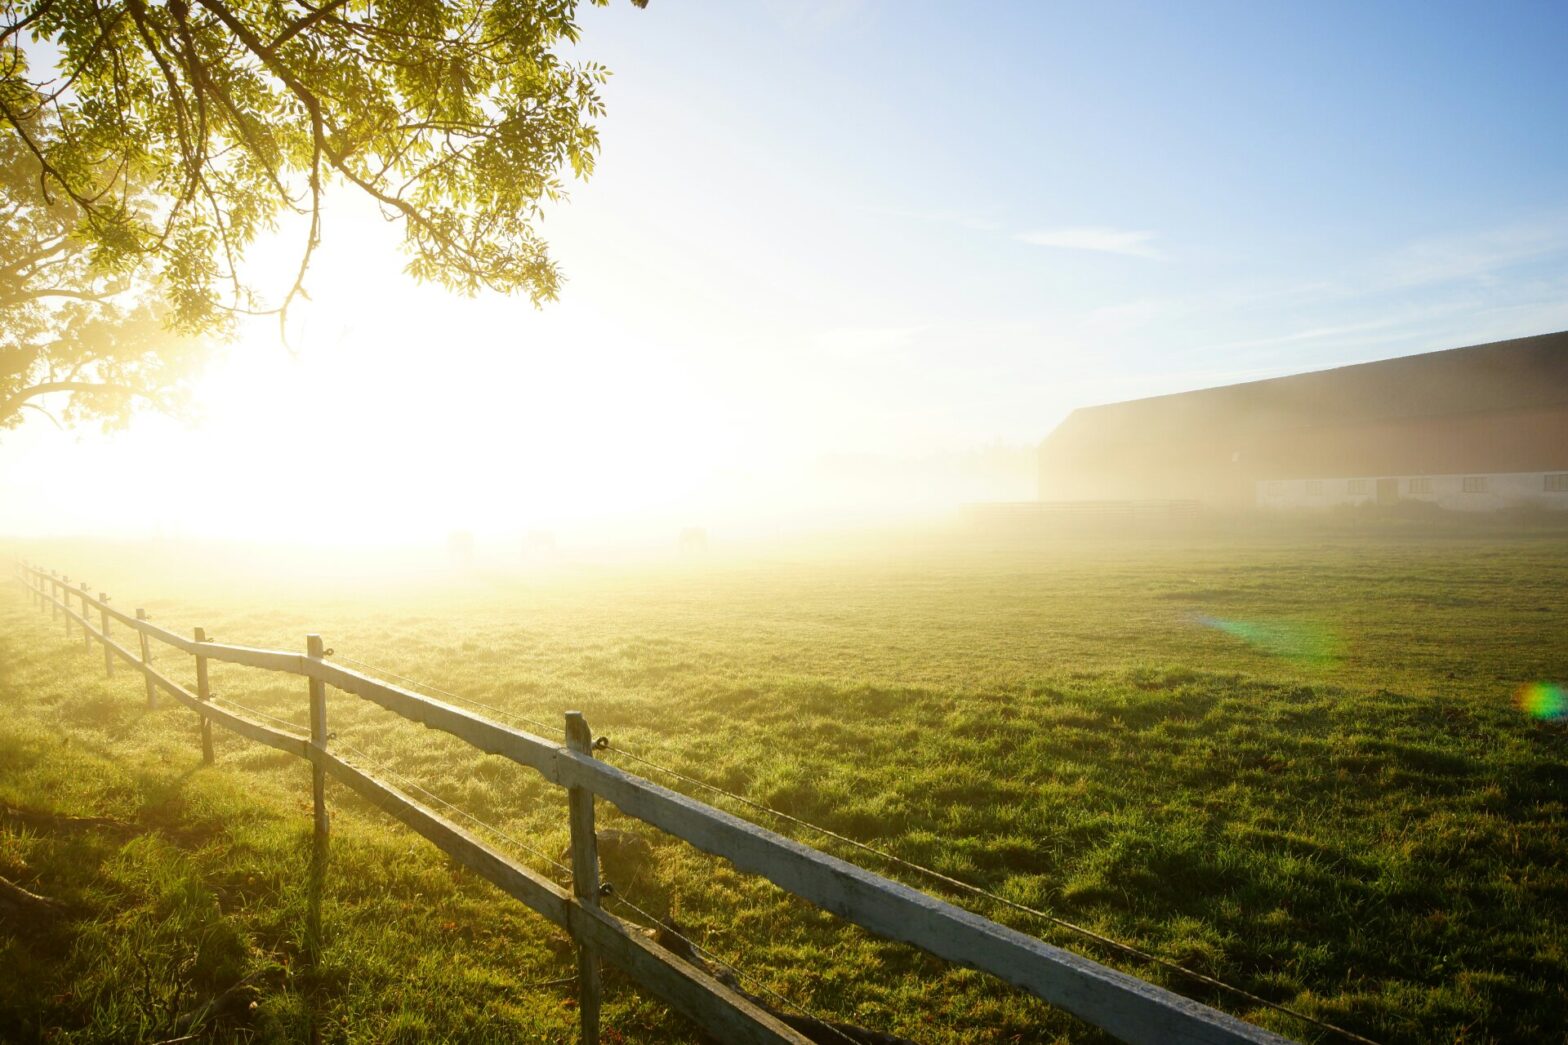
<point x="167" y="137"/>
<point x="66" y="324"/>
<point x="1373" y="837"/>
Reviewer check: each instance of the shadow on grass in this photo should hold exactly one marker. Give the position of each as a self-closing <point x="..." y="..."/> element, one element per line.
<point x="145" y="945"/>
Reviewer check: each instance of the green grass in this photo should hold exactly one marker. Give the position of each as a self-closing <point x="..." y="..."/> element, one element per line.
<point x="1292" y="762"/>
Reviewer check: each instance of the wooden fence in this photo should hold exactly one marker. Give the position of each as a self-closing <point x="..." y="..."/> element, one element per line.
<point x="1127" y="1007"/>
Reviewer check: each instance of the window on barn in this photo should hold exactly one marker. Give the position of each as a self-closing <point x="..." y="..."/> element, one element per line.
<point x="1475" y="484"/>
<point x="1315" y="487"/>
<point x="1360" y="486"/>
<point x="1422" y="485"/>
<point x="1276" y="489"/>
<point x="1557" y="483"/>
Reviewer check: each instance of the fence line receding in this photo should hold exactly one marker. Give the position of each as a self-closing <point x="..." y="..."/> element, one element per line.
<point x="1126" y="1006"/>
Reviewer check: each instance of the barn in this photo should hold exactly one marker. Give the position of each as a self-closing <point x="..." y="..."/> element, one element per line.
<point x="1472" y="429"/>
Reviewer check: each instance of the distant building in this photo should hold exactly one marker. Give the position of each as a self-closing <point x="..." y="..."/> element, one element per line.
<point x="1471" y="429"/>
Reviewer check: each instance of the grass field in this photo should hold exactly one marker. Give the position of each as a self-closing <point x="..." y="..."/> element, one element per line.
<point x="1290" y="761"/>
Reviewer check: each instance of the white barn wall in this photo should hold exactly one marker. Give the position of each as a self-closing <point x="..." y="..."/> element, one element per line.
<point x="1503" y="490"/>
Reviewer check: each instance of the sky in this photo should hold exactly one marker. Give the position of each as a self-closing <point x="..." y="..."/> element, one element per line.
<point x="844" y="262"/>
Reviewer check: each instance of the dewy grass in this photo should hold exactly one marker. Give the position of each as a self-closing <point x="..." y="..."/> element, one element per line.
<point x="1343" y="803"/>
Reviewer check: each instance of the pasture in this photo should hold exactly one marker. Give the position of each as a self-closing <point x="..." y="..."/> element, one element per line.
<point x="1290" y="761"/>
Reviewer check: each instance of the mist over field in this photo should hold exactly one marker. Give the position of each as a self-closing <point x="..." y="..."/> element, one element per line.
<point x="1252" y="748"/>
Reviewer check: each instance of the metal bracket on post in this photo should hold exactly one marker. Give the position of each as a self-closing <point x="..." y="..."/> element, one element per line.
<point x="203" y="694"/>
<point x="152" y="690"/>
<point x="585" y="877"/>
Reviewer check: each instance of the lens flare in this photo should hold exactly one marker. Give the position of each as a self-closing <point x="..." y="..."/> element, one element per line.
<point x="1304" y="643"/>
<point x="1543" y="700"/>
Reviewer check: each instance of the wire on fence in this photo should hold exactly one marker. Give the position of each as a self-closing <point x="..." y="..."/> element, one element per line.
<point x="653" y="921"/>
<point x="756" y="984"/>
<point x="428" y="687"/>
<point x="968" y="887"/>
<point x="931" y="873"/>
<point x="382" y="766"/>
<point x="293" y="727"/>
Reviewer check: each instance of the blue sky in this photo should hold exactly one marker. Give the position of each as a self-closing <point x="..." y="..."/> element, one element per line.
<point x="1169" y="194"/>
<point x="833" y="247"/>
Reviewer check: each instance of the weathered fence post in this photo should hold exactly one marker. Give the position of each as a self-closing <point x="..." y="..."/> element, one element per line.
<point x="54" y="593"/>
<point x="152" y="690"/>
<point x="585" y="877"/>
<point x="65" y="602"/>
<point x="204" y="694"/>
<point x="87" y="632"/>
<point x="315" y="649"/>
<point x="103" y="618"/>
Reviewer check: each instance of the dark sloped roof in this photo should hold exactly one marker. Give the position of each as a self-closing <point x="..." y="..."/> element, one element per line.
<point x="1528" y="373"/>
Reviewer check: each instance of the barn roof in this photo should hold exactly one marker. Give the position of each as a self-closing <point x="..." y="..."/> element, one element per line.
<point x="1523" y="374"/>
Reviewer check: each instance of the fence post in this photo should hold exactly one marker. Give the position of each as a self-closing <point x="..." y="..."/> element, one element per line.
<point x="203" y="694"/>
<point x="152" y="691"/>
<point x="65" y="602"/>
<point x="315" y="650"/>
<point x="87" y="632"/>
<point x="54" y="593"/>
<point x="103" y="616"/>
<point x="585" y="877"/>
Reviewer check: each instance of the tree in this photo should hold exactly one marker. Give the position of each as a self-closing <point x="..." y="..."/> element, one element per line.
<point x="168" y="137"/>
<point x="68" y="325"/>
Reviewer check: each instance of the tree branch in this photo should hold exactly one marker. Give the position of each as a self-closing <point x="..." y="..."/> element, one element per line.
<point x="52" y="419"/>
<point x="97" y="297"/>
<point x="42" y="253"/>
<point x="15" y="402"/>
<point x="318" y="134"/>
<point x="16" y="27"/>
<point x="299" y="25"/>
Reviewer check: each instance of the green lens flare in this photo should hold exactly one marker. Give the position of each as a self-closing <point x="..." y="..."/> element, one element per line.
<point x="1302" y="642"/>
<point x="1543" y="700"/>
